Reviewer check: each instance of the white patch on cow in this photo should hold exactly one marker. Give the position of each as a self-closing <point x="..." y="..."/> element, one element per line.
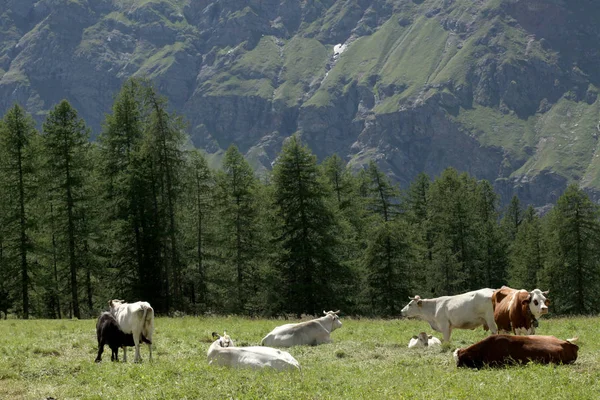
<point x="223" y="352"/>
<point x="455" y="355"/>
<point x="135" y="318"/>
<point x="464" y="311"/>
<point x="424" y="340"/>
<point x="314" y="332"/>
<point x="538" y="304"/>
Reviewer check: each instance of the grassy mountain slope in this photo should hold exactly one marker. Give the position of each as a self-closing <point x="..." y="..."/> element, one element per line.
<point x="504" y="89"/>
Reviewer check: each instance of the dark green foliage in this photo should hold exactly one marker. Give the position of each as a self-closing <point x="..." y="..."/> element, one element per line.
<point x="308" y="266"/>
<point x="238" y="237"/>
<point x="140" y="216"/>
<point x="65" y="146"/>
<point x="527" y="254"/>
<point x="388" y="258"/>
<point x="17" y="132"/>
<point x="198" y="228"/>
<point x="573" y="264"/>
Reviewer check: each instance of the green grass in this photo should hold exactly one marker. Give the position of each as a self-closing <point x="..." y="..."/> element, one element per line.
<point x="368" y="359"/>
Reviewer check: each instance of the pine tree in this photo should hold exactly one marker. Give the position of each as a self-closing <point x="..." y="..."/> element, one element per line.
<point x="16" y="134"/>
<point x="490" y="240"/>
<point x="126" y="196"/>
<point x="309" y="268"/>
<point x="162" y="152"/>
<point x="238" y="220"/>
<point x="452" y="219"/>
<point x="573" y="264"/>
<point x="197" y="225"/>
<point x="528" y="255"/>
<point x="66" y="145"/>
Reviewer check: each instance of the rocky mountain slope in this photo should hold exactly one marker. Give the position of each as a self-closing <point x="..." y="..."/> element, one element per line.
<point x="504" y="89"/>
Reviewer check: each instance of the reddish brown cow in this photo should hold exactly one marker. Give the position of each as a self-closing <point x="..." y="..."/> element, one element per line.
<point x="499" y="350"/>
<point x="518" y="310"/>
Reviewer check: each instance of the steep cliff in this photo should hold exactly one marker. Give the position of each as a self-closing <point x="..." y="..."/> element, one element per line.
<point x="504" y="89"/>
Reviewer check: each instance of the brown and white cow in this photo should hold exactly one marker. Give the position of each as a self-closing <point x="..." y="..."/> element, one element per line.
<point x="500" y="350"/>
<point x="519" y="310"/>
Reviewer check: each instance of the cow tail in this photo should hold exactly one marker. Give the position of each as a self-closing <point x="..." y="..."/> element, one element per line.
<point x="148" y="327"/>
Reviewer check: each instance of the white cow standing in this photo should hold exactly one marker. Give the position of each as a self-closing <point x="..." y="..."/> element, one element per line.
<point x="135" y="318"/>
<point x="223" y="352"/>
<point x="424" y="340"/>
<point x="464" y="311"/>
<point x="312" y="333"/>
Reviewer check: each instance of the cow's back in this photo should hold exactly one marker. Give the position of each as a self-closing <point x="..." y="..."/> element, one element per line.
<point x="468" y="310"/>
<point x="498" y="350"/>
<point x="303" y="333"/>
<point x="502" y="300"/>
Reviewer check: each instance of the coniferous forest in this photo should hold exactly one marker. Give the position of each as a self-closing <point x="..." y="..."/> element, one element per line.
<point x="140" y="215"/>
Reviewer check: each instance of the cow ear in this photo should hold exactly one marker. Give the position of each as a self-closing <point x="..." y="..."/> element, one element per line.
<point x="547" y="302"/>
<point x="527" y="300"/>
<point x="215" y="335"/>
<point x="429" y="336"/>
<point x="419" y="302"/>
<point x="415" y="337"/>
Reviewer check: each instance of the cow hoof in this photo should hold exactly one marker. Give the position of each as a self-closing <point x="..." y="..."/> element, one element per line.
<point x="97" y="360"/>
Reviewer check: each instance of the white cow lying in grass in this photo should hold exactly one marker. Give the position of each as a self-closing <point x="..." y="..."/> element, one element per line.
<point x="314" y="332"/>
<point x="135" y="318"/>
<point x="424" y="340"/>
<point x="223" y="352"/>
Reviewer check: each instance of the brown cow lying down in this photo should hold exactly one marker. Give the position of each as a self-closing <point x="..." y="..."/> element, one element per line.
<point x="499" y="350"/>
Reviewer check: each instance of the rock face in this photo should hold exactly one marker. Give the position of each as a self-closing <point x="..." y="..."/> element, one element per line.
<point x="504" y="90"/>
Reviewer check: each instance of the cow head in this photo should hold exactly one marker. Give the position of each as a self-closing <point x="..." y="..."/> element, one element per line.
<point x="115" y="304"/>
<point x="336" y="323"/>
<point x="539" y="303"/>
<point x="413" y="308"/>
<point x="423" y="337"/>
<point x="223" y="341"/>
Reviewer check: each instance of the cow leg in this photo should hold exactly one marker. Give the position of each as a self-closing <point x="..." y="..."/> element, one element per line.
<point x="115" y="355"/>
<point x="100" y="351"/>
<point x="489" y="319"/>
<point x="150" y="350"/>
<point x="136" y="340"/>
<point x="124" y="354"/>
<point x="446" y="330"/>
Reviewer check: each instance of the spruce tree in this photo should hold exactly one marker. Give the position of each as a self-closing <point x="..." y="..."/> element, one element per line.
<point x="198" y="225"/>
<point x="573" y="264"/>
<point x="238" y="222"/>
<point x="66" y="145"/>
<point x="527" y="257"/>
<point x="307" y="262"/>
<point x="16" y="157"/>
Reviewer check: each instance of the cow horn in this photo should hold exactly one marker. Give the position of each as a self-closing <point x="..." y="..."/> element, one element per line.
<point x="546" y="293"/>
<point x="336" y="312"/>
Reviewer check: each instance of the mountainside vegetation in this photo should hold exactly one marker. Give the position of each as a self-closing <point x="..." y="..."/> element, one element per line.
<point x="140" y="214"/>
<point x="505" y="90"/>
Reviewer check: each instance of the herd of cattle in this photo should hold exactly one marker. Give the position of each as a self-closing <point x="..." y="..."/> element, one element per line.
<point x="503" y="310"/>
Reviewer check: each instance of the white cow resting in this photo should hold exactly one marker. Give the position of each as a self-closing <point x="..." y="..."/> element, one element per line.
<point x="135" y="318"/>
<point x="464" y="311"/>
<point x="424" y="340"/>
<point x="223" y="352"/>
<point x="314" y="332"/>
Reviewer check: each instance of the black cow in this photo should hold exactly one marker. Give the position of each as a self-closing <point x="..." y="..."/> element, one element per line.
<point x="109" y="333"/>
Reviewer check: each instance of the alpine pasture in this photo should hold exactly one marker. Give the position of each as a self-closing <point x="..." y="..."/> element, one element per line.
<point x="367" y="359"/>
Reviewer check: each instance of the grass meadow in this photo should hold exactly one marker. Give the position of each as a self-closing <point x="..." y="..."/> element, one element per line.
<point x="367" y="360"/>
